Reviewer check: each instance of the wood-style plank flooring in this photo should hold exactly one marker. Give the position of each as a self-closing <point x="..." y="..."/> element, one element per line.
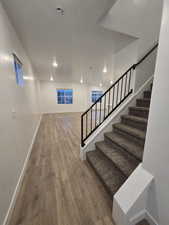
<point x="58" y="188"/>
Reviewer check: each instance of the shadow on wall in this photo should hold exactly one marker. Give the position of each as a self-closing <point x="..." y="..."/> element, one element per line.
<point x="145" y="70"/>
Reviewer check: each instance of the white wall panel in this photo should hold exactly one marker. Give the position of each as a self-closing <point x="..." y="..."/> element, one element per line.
<point x="19" y="113"/>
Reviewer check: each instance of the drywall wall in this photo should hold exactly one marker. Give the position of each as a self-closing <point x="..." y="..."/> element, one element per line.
<point x="81" y="97"/>
<point x="129" y="56"/>
<point x="125" y="59"/>
<point x="145" y="70"/>
<point x="19" y="113"/>
<point x="137" y="18"/>
<point x="156" y="153"/>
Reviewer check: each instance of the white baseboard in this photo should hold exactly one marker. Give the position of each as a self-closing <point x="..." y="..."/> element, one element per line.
<point x="137" y="218"/>
<point x="150" y="219"/>
<point x="144" y="214"/>
<point x="18" y="186"/>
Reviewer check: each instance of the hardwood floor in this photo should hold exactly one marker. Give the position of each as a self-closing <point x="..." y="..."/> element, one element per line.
<point x="58" y="188"/>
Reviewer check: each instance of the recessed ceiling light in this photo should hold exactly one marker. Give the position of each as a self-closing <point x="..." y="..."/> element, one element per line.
<point x="81" y="81"/>
<point x="28" y="78"/>
<point x="59" y="11"/>
<point x="111" y="82"/>
<point x="105" y="69"/>
<point x="51" y="78"/>
<point x="55" y="64"/>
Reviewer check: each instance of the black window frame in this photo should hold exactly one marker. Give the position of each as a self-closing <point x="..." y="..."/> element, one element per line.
<point x="95" y="95"/>
<point x="64" y="97"/>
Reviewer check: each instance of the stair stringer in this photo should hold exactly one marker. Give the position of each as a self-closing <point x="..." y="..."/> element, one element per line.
<point x="129" y="203"/>
<point x="112" y="119"/>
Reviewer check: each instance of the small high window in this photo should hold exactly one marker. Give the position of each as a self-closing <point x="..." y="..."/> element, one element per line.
<point x="96" y="95"/>
<point x="18" y="71"/>
<point x="65" y="96"/>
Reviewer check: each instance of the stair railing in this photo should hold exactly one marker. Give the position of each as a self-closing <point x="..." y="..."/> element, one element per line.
<point x="113" y="97"/>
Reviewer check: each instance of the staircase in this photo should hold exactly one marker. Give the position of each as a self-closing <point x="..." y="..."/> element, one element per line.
<point x="121" y="151"/>
<point x="143" y="222"/>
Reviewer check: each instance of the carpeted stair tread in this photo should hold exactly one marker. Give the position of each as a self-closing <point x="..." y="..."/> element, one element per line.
<point x="139" y="111"/>
<point x="144" y="99"/>
<point x="143" y="102"/>
<point x="135" y="118"/>
<point x="125" y="144"/>
<point x="121" y="159"/>
<point x="135" y="121"/>
<point x="130" y="130"/>
<point x="143" y="222"/>
<point x="147" y="94"/>
<point x="111" y="177"/>
<point x="139" y="108"/>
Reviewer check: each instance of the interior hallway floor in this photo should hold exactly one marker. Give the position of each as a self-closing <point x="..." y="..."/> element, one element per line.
<point x="58" y="188"/>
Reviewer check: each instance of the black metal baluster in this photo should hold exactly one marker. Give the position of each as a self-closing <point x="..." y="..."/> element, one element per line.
<point x="121" y="89"/>
<point x="91" y="120"/>
<point x="113" y="98"/>
<point x="100" y="110"/>
<point x="82" y="143"/>
<point x="129" y="82"/>
<point x="86" y="124"/>
<point x="96" y="115"/>
<point x="104" y="105"/>
<point x="117" y="96"/>
<point x="109" y="103"/>
<point x="125" y="85"/>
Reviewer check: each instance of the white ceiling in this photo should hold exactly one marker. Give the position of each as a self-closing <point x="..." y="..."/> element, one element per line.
<point x="76" y="40"/>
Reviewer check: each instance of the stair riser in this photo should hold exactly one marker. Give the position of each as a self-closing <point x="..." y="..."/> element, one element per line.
<point x="139" y="113"/>
<point x="143" y="103"/>
<point x="147" y="94"/>
<point x="130" y="137"/>
<point x="132" y="123"/>
<point x="143" y="222"/>
<point x="115" y="145"/>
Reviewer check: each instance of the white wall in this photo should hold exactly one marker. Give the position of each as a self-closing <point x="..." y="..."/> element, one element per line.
<point x="129" y="56"/>
<point x="16" y="129"/>
<point x="137" y="18"/>
<point x="145" y="70"/>
<point x="81" y="97"/>
<point x="156" y="153"/>
<point x="125" y="59"/>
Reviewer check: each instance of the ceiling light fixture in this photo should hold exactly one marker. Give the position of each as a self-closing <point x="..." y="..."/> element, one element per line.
<point x="81" y="81"/>
<point x="60" y="11"/>
<point x="55" y="64"/>
<point x="101" y="84"/>
<point x="105" y="69"/>
<point x="111" y="82"/>
<point x="51" y="78"/>
<point x="28" y="78"/>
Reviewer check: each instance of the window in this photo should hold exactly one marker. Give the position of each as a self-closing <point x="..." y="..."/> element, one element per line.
<point x="65" y="96"/>
<point x="18" y="71"/>
<point x="96" y="95"/>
